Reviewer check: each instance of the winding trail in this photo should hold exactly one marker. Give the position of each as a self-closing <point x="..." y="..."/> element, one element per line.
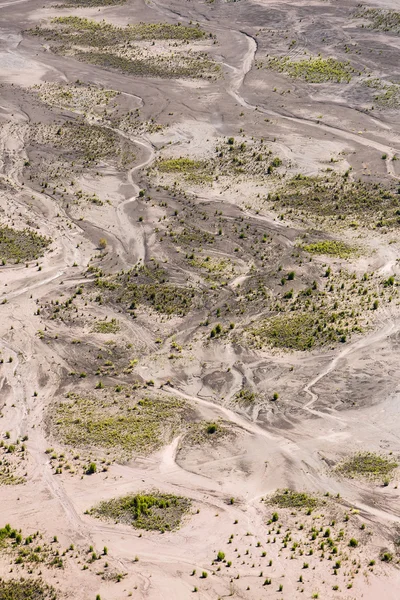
<point x="135" y="238"/>
<point x="380" y="334"/>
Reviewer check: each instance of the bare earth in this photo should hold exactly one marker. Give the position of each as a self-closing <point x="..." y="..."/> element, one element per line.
<point x="199" y="297"/>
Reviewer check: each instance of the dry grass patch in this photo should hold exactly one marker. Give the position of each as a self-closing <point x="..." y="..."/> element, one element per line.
<point x="26" y="589"/>
<point x="89" y="3"/>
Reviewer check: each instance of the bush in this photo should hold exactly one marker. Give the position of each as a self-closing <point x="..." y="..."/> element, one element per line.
<point x="387" y="557"/>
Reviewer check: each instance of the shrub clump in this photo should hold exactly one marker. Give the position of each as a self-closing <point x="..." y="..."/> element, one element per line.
<point x="161" y="512"/>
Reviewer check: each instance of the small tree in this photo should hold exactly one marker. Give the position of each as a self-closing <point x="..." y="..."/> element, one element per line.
<point x="102" y="243"/>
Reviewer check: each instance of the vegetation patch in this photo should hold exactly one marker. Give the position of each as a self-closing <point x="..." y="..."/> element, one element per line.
<point x="330" y="248"/>
<point x="146" y="286"/>
<point x="310" y="314"/>
<point x="338" y="198"/>
<point x="368" y="465"/>
<point x="8" y="475"/>
<point x="75" y="97"/>
<point x="231" y="159"/>
<point x="26" y="589"/>
<point x="381" y="19"/>
<point x="156" y="511"/>
<point x="291" y="499"/>
<point x="21" y="245"/>
<point x="80" y="142"/>
<point x="206" y="432"/>
<point x="114" y="47"/>
<point x="388" y="95"/>
<point x="117" y="423"/>
<point x="106" y="326"/>
<point x="183" y="67"/>
<point x="297" y="331"/>
<point x="246" y="396"/>
<point x="196" y="171"/>
<point x="100" y="33"/>
<point x="89" y="3"/>
<point x="313" y="69"/>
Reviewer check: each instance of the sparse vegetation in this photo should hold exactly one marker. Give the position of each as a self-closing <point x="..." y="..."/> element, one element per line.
<point x="341" y="200"/>
<point x="21" y="245"/>
<point x="89" y="3"/>
<point x="367" y="464"/>
<point x="113" y="47"/>
<point x="381" y="19"/>
<point x="106" y="326"/>
<point x="147" y="286"/>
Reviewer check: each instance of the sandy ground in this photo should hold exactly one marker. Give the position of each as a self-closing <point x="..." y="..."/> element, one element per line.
<point x="333" y="402"/>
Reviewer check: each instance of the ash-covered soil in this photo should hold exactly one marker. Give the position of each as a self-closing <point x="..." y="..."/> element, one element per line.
<point x="199" y="219"/>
